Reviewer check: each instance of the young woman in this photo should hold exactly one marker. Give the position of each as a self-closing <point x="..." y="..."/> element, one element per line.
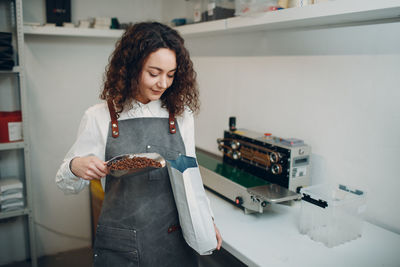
<point x="150" y="87"/>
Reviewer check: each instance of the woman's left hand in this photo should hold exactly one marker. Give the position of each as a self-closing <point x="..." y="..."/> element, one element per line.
<point x="219" y="237"/>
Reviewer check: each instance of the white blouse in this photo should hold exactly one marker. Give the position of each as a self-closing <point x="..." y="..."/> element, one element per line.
<point x="92" y="138"/>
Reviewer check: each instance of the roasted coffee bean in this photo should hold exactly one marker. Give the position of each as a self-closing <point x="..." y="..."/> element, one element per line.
<point x="134" y="163"/>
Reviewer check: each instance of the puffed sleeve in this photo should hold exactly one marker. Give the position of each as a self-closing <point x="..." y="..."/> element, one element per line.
<point x="189" y="140"/>
<point x="188" y="133"/>
<point x="88" y="143"/>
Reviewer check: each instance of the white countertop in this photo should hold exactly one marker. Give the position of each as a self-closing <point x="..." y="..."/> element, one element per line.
<point x="273" y="239"/>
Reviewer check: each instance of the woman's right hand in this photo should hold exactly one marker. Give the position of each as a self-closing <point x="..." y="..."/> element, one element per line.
<point x="89" y="168"/>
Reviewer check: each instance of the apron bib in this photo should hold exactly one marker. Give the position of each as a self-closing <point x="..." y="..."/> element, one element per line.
<point x="138" y="224"/>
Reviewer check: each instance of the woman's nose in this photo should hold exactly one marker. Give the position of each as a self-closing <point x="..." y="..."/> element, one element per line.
<point x="162" y="83"/>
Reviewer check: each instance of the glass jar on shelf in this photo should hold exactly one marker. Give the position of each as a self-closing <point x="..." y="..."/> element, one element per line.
<point x="249" y="7"/>
<point x="218" y="9"/>
<point x="194" y="10"/>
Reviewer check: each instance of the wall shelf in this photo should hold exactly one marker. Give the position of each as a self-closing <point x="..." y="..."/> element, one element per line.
<point x="203" y="28"/>
<point x="16" y="69"/>
<point x="72" y="32"/>
<point x="14" y="213"/>
<point x="12" y="145"/>
<point x="324" y="14"/>
<point x="339" y="12"/>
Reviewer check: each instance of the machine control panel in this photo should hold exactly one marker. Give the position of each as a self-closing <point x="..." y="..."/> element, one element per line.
<point x="285" y="162"/>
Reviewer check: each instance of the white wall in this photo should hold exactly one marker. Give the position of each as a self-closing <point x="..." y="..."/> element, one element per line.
<point x="337" y="89"/>
<point x="64" y="77"/>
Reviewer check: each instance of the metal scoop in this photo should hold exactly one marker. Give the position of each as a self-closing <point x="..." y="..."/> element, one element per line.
<point x="118" y="173"/>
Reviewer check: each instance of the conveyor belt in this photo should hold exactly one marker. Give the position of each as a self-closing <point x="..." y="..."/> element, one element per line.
<point x="236" y="185"/>
<point x="236" y="175"/>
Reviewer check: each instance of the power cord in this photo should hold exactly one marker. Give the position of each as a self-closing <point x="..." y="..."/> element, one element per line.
<point x="63" y="234"/>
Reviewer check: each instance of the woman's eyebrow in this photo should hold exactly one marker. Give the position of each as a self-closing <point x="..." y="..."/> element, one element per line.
<point x="159" y="69"/>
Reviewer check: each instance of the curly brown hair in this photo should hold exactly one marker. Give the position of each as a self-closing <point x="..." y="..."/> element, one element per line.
<point x="122" y="75"/>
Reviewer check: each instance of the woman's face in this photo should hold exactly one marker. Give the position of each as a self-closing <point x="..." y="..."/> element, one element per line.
<point x="157" y="75"/>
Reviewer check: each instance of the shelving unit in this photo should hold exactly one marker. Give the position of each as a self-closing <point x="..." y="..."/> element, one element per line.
<point x="15" y="25"/>
<point x="73" y="32"/>
<point x="326" y="14"/>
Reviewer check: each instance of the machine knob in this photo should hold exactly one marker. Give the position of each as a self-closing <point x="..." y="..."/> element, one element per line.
<point x="239" y="200"/>
<point x="276" y="169"/>
<point x="264" y="204"/>
<point x="236" y="155"/>
<point x="274" y="157"/>
<point x="220" y="142"/>
<point x="235" y="144"/>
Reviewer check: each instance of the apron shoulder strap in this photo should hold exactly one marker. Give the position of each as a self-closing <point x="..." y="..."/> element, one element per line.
<point x="172" y="126"/>
<point x="114" y="121"/>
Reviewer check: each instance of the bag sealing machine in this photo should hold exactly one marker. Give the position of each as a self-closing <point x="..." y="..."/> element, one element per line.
<point x="256" y="169"/>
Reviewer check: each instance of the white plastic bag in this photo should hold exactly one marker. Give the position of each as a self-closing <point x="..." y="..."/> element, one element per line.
<point x="192" y="204"/>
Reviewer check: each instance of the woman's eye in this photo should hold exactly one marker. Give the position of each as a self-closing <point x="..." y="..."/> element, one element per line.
<point x="171" y="75"/>
<point x="153" y="74"/>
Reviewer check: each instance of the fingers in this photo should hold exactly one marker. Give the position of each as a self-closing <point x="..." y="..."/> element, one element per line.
<point x="107" y="169"/>
<point x="89" y="168"/>
<point x="100" y="168"/>
<point x="219" y="238"/>
<point x="92" y="174"/>
<point x="95" y="168"/>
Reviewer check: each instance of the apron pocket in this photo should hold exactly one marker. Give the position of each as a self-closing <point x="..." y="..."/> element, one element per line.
<point x="167" y="154"/>
<point x="115" y="247"/>
<point x="105" y="258"/>
<point x="159" y="174"/>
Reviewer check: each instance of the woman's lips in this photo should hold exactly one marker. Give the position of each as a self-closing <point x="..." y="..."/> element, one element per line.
<point x="156" y="91"/>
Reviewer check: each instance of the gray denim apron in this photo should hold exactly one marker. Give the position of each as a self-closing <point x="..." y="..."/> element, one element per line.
<point x="138" y="224"/>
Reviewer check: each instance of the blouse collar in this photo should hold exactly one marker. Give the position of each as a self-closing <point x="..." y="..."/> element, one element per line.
<point x="152" y="106"/>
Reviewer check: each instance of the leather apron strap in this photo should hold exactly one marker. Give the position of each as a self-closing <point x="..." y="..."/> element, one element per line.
<point x="171" y="121"/>
<point x="114" y="121"/>
<point x="113" y="115"/>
